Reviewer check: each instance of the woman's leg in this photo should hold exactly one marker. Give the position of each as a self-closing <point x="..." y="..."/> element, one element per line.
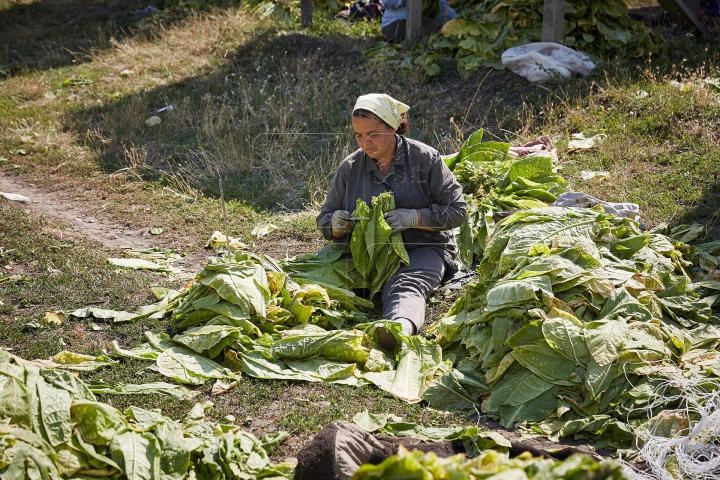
<point x="394" y="32"/>
<point x="405" y="292"/>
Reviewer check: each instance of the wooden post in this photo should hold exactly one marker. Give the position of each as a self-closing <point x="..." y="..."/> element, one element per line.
<point x="413" y="24"/>
<point x="552" y="27"/>
<point x="685" y="14"/>
<point x="306" y="12"/>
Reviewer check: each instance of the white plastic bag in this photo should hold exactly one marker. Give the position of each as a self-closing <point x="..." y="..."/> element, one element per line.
<point x="539" y="62"/>
<point x="583" y="200"/>
<point x="15" y="197"/>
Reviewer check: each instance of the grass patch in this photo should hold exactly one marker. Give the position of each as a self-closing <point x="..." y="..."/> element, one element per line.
<point x="49" y="271"/>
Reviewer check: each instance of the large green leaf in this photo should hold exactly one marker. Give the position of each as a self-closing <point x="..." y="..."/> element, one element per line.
<point x="258" y="365"/>
<point x="152" y="388"/>
<point x="55" y="412"/>
<point x="546" y="363"/>
<point x="174" y="451"/>
<point x="242" y="283"/>
<point x="15" y="403"/>
<point x="209" y="340"/>
<point x="598" y="379"/>
<point x="541" y="407"/>
<point x="517" y="387"/>
<point x="563" y="332"/>
<point x="416" y="368"/>
<point x="605" y="339"/>
<point x="378" y="231"/>
<point x="325" y="370"/>
<point x="448" y="393"/>
<point x="67" y="381"/>
<point x="528" y="168"/>
<point x="358" y="243"/>
<point x="138" y="454"/>
<point x="185" y="366"/>
<point x="97" y="422"/>
<point x="308" y="345"/>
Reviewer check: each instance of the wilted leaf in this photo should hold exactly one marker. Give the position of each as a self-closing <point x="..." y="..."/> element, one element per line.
<point x="263" y="230"/>
<point x="55" y="318"/>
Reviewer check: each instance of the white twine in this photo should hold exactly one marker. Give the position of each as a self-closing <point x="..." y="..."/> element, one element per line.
<point x="695" y="449"/>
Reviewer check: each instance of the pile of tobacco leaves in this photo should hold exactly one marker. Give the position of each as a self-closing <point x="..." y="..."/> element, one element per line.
<point x="245" y="313"/>
<point x="577" y="315"/>
<point x="495" y="181"/>
<point x="52" y="426"/>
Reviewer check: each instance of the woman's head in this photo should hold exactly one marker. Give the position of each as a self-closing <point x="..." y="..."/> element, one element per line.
<point x="384" y="108"/>
<point x="376" y="119"/>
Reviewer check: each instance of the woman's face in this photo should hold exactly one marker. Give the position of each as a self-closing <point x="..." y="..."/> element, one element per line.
<point x="375" y="137"/>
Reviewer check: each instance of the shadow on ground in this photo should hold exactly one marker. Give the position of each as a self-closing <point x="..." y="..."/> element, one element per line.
<point x="45" y="34"/>
<point x="706" y="211"/>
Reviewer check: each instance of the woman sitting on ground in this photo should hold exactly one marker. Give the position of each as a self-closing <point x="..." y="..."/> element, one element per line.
<point x="428" y="200"/>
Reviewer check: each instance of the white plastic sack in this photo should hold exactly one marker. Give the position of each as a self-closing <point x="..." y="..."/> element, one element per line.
<point x="583" y="200"/>
<point x="15" y="197"/>
<point x="538" y="62"/>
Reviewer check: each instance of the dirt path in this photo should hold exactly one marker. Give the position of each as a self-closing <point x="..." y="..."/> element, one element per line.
<point x="84" y="220"/>
<point x="75" y="217"/>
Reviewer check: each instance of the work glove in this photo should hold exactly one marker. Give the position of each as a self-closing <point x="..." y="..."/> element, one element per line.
<point x="341" y="223"/>
<point x="401" y="219"/>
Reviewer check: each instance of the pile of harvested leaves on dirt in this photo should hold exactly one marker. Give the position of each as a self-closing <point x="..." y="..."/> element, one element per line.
<point x="52" y="426"/>
<point x="574" y="325"/>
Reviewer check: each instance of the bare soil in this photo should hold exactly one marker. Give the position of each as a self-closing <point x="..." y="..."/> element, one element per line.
<point x="84" y="219"/>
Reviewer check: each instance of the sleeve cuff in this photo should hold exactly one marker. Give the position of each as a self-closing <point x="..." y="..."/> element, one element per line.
<point x="425" y="215"/>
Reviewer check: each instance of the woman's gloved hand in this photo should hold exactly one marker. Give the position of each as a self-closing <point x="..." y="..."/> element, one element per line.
<point x="401" y="219"/>
<point x="341" y="223"/>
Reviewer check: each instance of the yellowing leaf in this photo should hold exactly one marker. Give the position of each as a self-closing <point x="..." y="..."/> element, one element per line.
<point x="55" y="318"/>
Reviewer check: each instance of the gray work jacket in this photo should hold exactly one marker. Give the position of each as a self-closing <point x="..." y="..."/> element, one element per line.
<point x="418" y="179"/>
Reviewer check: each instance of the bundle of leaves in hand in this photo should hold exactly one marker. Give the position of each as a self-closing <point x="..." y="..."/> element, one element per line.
<point x="492" y="181"/>
<point x="578" y="316"/>
<point x="485" y="29"/>
<point x="373" y="256"/>
<point x="52" y="427"/>
<point x="376" y="251"/>
<point x="490" y="464"/>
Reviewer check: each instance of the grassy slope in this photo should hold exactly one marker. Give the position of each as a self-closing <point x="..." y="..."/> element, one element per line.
<point x="267" y="107"/>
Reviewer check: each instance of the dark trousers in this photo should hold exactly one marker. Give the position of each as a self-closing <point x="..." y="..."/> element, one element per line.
<point x="405" y="293"/>
<point x="395" y="32"/>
